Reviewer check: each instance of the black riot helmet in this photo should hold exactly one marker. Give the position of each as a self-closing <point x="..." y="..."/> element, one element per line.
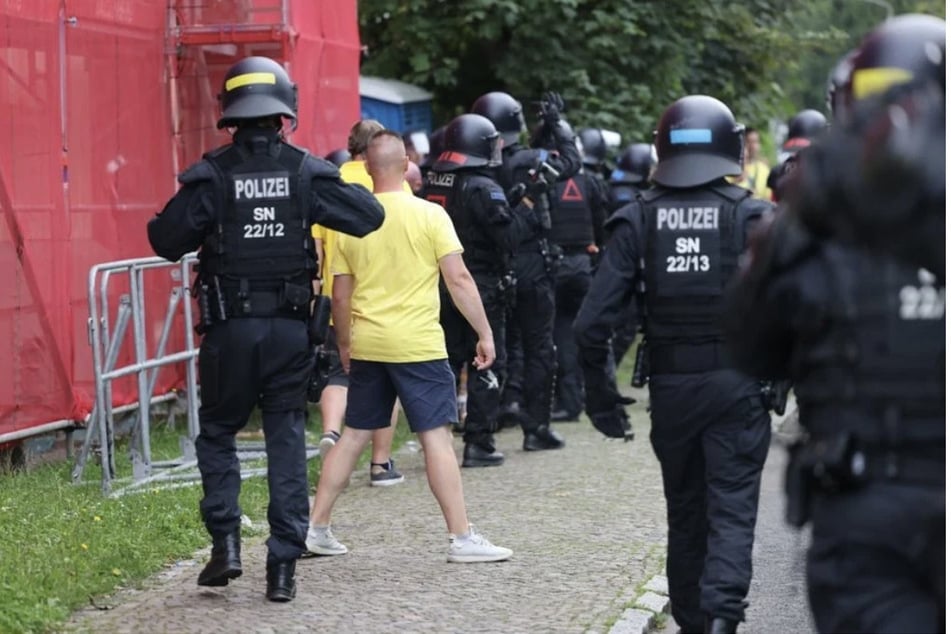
<point x="437" y="143"/>
<point x="470" y="140"/>
<point x="635" y="163"/>
<point x="338" y="157"/>
<point x="907" y="48"/>
<point x="807" y="124"/>
<point x="804" y="127"/>
<point x="697" y="140"/>
<point x="594" y="147"/>
<point x="254" y="88"/>
<point x="505" y="113"/>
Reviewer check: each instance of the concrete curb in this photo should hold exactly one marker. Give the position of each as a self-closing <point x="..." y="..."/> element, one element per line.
<point x="649" y="605"/>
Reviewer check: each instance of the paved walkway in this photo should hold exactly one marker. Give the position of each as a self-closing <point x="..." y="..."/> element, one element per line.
<point x="587" y="524"/>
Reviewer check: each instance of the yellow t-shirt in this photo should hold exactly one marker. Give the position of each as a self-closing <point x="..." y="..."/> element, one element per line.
<point x="350" y="172"/>
<point x="754" y="178"/>
<point x="395" y="300"/>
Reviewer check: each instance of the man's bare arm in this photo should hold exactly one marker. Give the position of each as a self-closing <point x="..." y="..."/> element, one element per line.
<point x="340" y="308"/>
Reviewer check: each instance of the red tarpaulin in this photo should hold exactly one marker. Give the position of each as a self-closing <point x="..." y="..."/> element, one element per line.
<point x="102" y="102"/>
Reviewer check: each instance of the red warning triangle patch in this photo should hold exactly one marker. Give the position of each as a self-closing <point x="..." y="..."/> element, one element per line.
<point x="572" y="193"/>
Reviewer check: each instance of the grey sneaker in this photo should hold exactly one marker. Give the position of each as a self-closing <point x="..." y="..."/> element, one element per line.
<point x="327" y="442"/>
<point x="321" y="541"/>
<point x="474" y="548"/>
<point x="387" y="477"/>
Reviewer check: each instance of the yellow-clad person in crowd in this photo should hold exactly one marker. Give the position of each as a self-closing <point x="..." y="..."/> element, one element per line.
<point x="333" y="400"/>
<point x="755" y="169"/>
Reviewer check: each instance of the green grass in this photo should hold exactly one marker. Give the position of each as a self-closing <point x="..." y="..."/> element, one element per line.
<point x="63" y="546"/>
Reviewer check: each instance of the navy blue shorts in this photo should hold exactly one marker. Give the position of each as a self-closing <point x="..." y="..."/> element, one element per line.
<point x="426" y="389"/>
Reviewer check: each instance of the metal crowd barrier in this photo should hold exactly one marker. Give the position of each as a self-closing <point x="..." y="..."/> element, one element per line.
<point x="106" y="338"/>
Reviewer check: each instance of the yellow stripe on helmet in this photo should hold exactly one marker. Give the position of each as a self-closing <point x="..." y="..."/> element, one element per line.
<point x="250" y="78"/>
<point x="872" y="81"/>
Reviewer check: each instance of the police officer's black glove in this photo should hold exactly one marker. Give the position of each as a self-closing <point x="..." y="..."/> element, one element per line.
<point x="552" y="105"/>
<point x="613" y="423"/>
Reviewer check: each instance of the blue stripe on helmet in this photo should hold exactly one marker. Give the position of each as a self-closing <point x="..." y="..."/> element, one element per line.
<point x="691" y="135"/>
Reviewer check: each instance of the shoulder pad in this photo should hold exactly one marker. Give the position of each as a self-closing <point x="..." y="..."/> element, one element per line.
<point x="630" y="212"/>
<point x="218" y="151"/>
<point x="317" y="167"/>
<point x="731" y="192"/>
<point x="200" y="171"/>
<point x="652" y="194"/>
<point x="487" y="188"/>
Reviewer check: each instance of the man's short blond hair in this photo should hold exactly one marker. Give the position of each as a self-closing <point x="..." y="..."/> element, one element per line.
<point x="360" y="135"/>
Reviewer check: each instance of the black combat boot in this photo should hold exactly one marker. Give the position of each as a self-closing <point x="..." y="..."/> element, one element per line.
<point x="481" y="455"/>
<point x="542" y="438"/>
<point x="720" y="625"/>
<point x="281" y="586"/>
<point x="563" y="416"/>
<point x="225" y="562"/>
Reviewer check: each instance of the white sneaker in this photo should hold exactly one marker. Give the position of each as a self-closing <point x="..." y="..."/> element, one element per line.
<point x="474" y="548"/>
<point x="321" y="541"/>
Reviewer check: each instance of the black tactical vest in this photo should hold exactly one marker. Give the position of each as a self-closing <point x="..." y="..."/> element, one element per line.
<point x="693" y="239"/>
<point x="571" y="217"/>
<point x="457" y="192"/>
<point x="880" y="354"/>
<point x="261" y="251"/>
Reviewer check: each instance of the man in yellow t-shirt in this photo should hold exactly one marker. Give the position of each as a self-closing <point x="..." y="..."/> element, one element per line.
<point x="333" y="400"/>
<point x="386" y="311"/>
<point x="755" y="169"/>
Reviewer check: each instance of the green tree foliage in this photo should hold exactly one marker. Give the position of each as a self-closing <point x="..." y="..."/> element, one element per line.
<point x="619" y="63"/>
<point x="831" y="28"/>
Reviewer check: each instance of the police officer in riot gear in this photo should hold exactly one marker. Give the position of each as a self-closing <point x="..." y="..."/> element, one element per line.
<point x="579" y="209"/>
<point x="886" y="155"/>
<point x="674" y="249"/>
<point x="534" y="309"/>
<point x="463" y="181"/>
<point x="629" y="178"/>
<point x="804" y="128"/>
<point x="861" y="335"/>
<point x="632" y="174"/>
<point x="249" y="206"/>
<point x="594" y="151"/>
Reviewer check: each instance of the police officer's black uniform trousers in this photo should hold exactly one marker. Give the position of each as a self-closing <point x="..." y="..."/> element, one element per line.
<point x="877" y="560"/>
<point x="572" y="281"/>
<point x="711" y="434"/>
<point x="483" y="387"/>
<point x="534" y="314"/>
<point x="243" y="363"/>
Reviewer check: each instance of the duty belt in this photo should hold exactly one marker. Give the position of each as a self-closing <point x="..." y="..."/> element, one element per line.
<point x="687" y="359"/>
<point x="259" y="303"/>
